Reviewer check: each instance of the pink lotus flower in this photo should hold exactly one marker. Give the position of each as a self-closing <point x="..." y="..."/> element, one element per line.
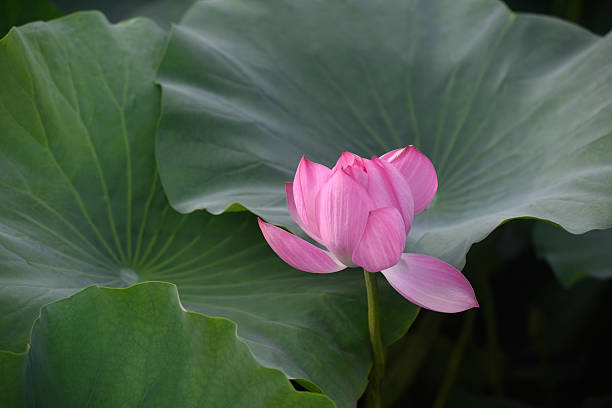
<point x="361" y="211"/>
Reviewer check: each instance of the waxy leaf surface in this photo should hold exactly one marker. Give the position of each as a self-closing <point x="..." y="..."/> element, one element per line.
<point x="514" y="111"/>
<point x="137" y="347"/>
<point x="81" y="203"/>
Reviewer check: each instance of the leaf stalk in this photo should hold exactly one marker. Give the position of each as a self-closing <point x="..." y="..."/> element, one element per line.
<point x="373" y="397"/>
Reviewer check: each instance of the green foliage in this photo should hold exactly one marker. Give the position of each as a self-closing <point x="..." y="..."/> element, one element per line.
<point x="513" y="110"/>
<point x="137" y="347"/>
<point x="78" y="180"/>
<point x="12" y="390"/>
<point x="82" y="204"/>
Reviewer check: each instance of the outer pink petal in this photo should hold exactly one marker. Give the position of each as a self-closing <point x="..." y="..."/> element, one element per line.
<point x="343" y="206"/>
<point x="418" y="171"/>
<point x="431" y="283"/>
<point x="388" y="188"/>
<point x="295" y="215"/>
<point x="382" y="242"/>
<point x="309" y="178"/>
<point x="298" y="253"/>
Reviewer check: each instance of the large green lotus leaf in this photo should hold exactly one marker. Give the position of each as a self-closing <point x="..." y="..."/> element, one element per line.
<point x="137" y="347"/>
<point x="12" y="392"/>
<point x="574" y="257"/>
<point x="514" y="110"/>
<point x="81" y="204"/>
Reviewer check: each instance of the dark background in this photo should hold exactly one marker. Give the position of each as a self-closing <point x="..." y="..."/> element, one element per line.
<point x="531" y="344"/>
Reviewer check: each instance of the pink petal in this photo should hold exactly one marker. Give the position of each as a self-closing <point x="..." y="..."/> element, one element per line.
<point x="358" y="174"/>
<point x="388" y="188"/>
<point x="348" y="159"/>
<point x="309" y="178"/>
<point x="382" y="242"/>
<point x="295" y="215"/>
<point x="298" y="253"/>
<point x="431" y="283"/>
<point x="418" y="171"/>
<point x="343" y="206"/>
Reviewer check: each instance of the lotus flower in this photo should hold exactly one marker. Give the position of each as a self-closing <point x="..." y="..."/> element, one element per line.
<point x="362" y="211"/>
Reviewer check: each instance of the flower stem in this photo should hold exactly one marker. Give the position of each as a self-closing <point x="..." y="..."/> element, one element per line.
<point x="373" y="392"/>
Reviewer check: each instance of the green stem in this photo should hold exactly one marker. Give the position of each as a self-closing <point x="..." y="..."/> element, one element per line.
<point x="373" y="393"/>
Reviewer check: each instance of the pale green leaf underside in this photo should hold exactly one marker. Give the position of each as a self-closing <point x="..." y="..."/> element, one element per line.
<point x="514" y="110"/>
<point x="81" y="204"/>
<point x="574" y="257"/>
<point x="137" y="347"/>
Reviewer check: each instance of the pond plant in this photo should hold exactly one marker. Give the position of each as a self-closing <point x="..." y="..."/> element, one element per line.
<point x="152" y="244"/>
